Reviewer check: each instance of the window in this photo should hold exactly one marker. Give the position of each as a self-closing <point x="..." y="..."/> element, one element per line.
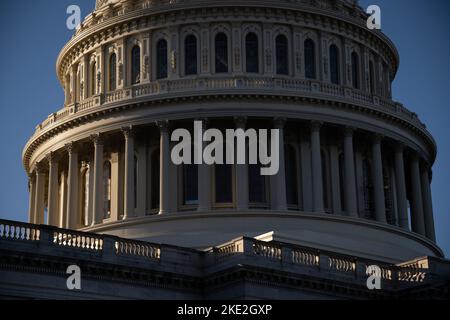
<point x="135" y="65"/>
<point x="334" y="64"/>
<point x="190" y="184"/>
<point x="190" y="55"/>
<point x="257" y="185"/>
<point x="291" y="176"/>
<point x="112" y="72"/>
<point x="85" y="198"/>
<point x="252" y="53"/>
<point x="310" y="59"/>
<point x="371" y="77"/>
<point x="355" y="70"/>
<point x="221" y="46"/>
<point x="224" y="184"/>
<point x="282" y="55"/>
<point x="155" y="172"/>
<point x="161" y="59"/>
<point x="107" y="189"/>
<point x="93" y="79"/>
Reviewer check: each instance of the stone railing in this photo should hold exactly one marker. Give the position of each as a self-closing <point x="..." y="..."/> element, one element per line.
<point x="18" y="231"/>
<point x="137" y="249"/>
<point x="247" y="85"/>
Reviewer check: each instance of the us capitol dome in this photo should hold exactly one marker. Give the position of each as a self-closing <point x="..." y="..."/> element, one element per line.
<point x="356" y="169"/>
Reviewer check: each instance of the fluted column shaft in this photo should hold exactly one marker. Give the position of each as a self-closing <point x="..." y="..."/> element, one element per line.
<point x="32" y="187"/>
<point x="72" y="219"/>
<point x="417" y="219"/>
<point x="98" y="194"/>
<point x="402" y="201"/>
<point x="427" y="204"/>
<point x="164" y="203"/>
<point x="378" y="181"/>
<point x="242" y="196"/>
<point x="351" y="204"/>
<point x="53" y="191"/>
<point x="129" y="203"/>
<point x="316" y="163"/>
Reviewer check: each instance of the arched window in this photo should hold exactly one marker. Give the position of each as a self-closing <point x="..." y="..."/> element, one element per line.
<point x="282" y="55"/>
<point x="310" y="59"/>
<point x="85" y="197"/>
<point x="136" y="65"/>
<point x="161" y="59"/>
<point x="334" y="64"/>
<point x="371" y="77"/>
<point x="355" y="70"/>
<point x="93" y="79"/>
<point x="291" y="176"/>
<point x="368" y="190"/>
<point x="190" y="184"/>
<point x="223" y="183"/>
<point x="112" y="72"/>
<point x="252" y="53"/>
<point x="221" y="46"/>
<point x="155" y="173"/>
<point x="190" y="55"/>
<point x="257" y="193"/>
<point x="325" y="172"/>
<point x="107" y="189"/>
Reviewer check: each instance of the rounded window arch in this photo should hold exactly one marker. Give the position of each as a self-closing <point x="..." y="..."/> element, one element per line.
<point x="136" y="65"/>
<point x="334" y="64"/>
<point x="107" y="189"/>
<point x="113" y="72"/>
<point x="291" y="176"/>
<point x="310" y="59"/>
<point x="252" y="53"/>
<point x="190" y="55"/>
<point x="355" y="70"/>
<point x="221" y="52"/>
<point x="282" y="54"/>
<point x="161" y="59"/>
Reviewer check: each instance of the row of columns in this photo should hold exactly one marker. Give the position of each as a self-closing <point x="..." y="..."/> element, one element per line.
<point x="421" y="203"/>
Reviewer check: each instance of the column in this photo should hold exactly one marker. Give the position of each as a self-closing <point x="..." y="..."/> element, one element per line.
<point x="204" y="181"/>
<point x="278" y="188"/>
<point x="351" y="204"/>
<point x="39" y="204"/>
<point x="98" y="203"/>
<point x="427" y="204"/>
<point x="32" y="189"/>
<point x="141" y="181"/>
<point x="378" y="181"/>
<point x="242" y="196"/>
<point x="53" y="190"/>
<point x="129" y="187"/>
<point x="402" y="201"/>
<point x="316" y="163"/>
<point x="417" y="219"/>
<point x="72" y="219"/>
<point x="164" y="167"/>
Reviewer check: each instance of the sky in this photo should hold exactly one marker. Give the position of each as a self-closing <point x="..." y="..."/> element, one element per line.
<point x="34" y="31"/>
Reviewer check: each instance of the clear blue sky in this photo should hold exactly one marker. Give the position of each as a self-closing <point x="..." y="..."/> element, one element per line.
<point x="33" y="32"/>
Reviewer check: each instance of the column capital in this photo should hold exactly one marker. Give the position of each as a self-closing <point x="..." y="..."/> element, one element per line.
<point x="128" y="131"/>
<point x="279" y="122"/>
<point x="97" y="139"/>
<point x="41" y="167"/>
<point x="377" y="138"/>
<point x="71" y="148"/>
<point x="316" y="125"/>
<point x="163" y="125"/>
<point x="399" y="147"/>
<point x="240" y="122"/>
<point x="349" y="131"/>
<point x="52" y="157"/>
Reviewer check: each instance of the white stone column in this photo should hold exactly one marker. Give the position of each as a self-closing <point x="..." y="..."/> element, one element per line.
<point x="98" y="194"/>
<point x="53" y="190"/>
<point x="129" y="187"/>
<point x="402" y="201"/>
<point x="278" y="188"/>
<point x="351" y="201"/>
<point x="39" y="203"/>
<point x="378" y="181"/>
<point x="32" y="189"/>
<point x="72" y="219"/>
<point x="417" y="218"/>
<point x="242" y="196"/>
<point x="316" y="163"/>
<point x="164" y="167"/>
<point x="427" y="204"/>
